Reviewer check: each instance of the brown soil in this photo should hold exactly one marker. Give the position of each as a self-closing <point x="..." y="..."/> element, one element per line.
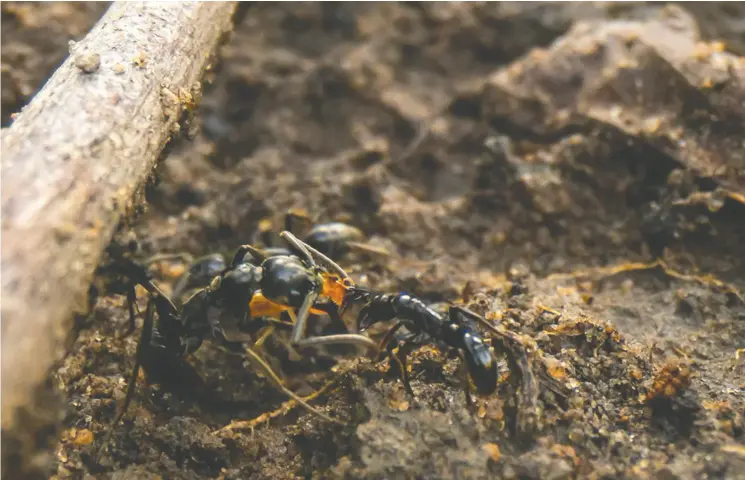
<point x="534" y="158"/>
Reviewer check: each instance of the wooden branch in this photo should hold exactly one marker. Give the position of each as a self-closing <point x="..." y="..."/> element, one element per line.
<point x="73" y="159"/>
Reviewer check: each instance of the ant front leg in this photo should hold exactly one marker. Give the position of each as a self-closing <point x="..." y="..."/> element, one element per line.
<point x="151" y="338"/>
<point x="298" y="333"/>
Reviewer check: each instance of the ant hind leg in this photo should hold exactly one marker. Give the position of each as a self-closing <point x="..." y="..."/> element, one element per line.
<point x="259" y="362"/>
<point x="144" y="344"/>
<point x="132" y="307"/>
<point x="466" y="383"/>
<point x="399" y="358"/>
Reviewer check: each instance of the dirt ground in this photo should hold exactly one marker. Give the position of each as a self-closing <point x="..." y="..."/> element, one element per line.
<point x="573" y="172"/>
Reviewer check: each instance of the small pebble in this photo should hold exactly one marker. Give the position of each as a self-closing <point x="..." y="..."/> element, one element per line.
<point x="492" y="450"/>
<point x="83" y="437"/>
<point x="88" y="62"/>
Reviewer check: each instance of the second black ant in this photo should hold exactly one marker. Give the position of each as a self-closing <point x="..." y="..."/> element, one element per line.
<point x="454" y="330"/>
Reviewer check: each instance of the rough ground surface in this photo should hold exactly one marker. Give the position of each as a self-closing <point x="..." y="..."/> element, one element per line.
<point x="531" y="160"/>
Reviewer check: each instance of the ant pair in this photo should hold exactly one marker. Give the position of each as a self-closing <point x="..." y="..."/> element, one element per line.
<point x="280" y="288"/>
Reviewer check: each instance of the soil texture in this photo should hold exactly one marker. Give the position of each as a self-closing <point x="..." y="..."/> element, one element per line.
<point x="575" y="173"/>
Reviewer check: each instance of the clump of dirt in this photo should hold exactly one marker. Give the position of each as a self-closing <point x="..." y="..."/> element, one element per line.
<point x="574" y="173"/>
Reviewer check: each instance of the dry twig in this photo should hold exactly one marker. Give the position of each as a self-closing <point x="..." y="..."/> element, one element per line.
<point x="72" y="161"/>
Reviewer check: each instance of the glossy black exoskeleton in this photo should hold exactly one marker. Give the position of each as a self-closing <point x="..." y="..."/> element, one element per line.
<point x="455" y="330"/>
<point x="241" y="292"/>
<point x="333" y="239"/>
<point x="200" y="273"/>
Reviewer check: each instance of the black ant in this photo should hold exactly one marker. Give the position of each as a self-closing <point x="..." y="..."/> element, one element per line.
<point x="456" y="330"/>
<point x="333" y="239"/>
<point x="242" y="292"/>
<point x="276" y="284"/>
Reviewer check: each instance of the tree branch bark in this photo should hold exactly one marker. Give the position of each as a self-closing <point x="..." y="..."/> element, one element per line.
<point x="72" y="161"/>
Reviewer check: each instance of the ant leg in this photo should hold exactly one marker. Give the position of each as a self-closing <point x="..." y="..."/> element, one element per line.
<point x="92" y="299"/>
<point x="301" y="248"/>
<point x="277" y="323"/>
<point x="282" y="409"/>
<point x="263" y="366"/>
<point x="367" y="248"/>
<point x="131" y="305"/>
<point x="199" y="273"/>
<point x="403" y="371"/>
<point x="466" y="382"/>
<point x="299" y="331"/>
<point x="213" y="320"/>
<point x="258" y="254"/>
<point x="339" y="339"/>
<point x="397" y="356"/>
<point x="163" y="257"/>
<point x="292" y="217"/>
<point x="262" y="338"/>
<point x="163" y="303"/>
<point x="461" y="314"/>
<point x="145" y="338"/>
<point x="306" y="250"/>
<point x="343" y="338"/>
<point x="389" y="336"/>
